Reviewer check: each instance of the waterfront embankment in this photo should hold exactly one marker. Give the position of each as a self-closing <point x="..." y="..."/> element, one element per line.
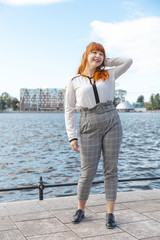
<point x="137" y="214"/>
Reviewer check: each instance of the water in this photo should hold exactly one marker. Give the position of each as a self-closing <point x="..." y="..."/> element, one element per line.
<point x="36" y="144"/>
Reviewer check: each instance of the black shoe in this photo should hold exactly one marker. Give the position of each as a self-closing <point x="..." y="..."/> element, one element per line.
<point x="110" y="220"/>
<point x="78" y="216"/>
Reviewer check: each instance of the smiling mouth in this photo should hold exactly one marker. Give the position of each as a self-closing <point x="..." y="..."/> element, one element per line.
<point x="97" y="61"/>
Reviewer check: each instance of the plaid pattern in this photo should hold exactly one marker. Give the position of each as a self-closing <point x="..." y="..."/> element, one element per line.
<point x="100" y="130"/>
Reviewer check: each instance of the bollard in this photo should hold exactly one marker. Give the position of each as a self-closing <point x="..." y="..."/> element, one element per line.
<point x="41" y="187"/>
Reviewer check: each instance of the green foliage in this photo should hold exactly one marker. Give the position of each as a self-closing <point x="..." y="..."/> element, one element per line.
<point x="119" y="96"/>
<point x="152" y="101"/>
<point x="148" y="106"/>
<point x="6" y="101"/>
<point x="140" y="99"/>
<point x="15" y="103"/>
<point x="2" y="103"/>
<point x="155" y="101"/>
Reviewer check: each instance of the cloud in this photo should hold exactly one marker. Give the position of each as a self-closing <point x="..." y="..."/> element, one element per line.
<point x="138" y="39"/>
<point x="30" y="2"/>
<point x="133" y="9"/>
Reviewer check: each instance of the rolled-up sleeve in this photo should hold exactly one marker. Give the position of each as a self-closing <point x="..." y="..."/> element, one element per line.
<point x="121" y="65"/>
<point x="70" y="106"/>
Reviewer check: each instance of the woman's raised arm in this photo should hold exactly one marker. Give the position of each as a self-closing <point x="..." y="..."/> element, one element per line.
<point x="121" y="65"/>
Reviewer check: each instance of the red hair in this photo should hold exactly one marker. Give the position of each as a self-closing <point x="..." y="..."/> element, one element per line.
<point x="100" y="72"/>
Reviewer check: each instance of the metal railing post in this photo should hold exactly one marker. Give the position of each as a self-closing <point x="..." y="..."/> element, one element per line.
<point x="41" y="187"/>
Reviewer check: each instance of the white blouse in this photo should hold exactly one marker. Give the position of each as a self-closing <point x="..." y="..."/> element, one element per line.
<point x="79" y="92"/>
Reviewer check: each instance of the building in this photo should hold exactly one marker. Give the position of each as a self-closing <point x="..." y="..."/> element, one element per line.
<point x="138" y="104"/>
<point x="139" y="107"/>
<point x="125" y="107"/>
<point x="140" y="110"/>
<point x="48" y="99"/>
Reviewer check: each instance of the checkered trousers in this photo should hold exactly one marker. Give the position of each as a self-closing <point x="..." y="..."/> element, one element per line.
<point x="100" y="131"/>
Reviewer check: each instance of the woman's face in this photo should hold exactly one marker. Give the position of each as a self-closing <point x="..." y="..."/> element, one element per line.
<point x="95" y="59"/>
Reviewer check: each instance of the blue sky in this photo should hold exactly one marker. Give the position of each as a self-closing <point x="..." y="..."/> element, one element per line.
<point x="42" y="42"/>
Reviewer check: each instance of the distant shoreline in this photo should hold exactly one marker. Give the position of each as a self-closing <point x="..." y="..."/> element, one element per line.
<point x="153" y="111"/>
<point x="148" y="111"/>
<point x="33" y="112"/>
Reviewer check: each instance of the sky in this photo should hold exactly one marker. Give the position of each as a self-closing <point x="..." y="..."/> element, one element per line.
<point x="42" y="42"/>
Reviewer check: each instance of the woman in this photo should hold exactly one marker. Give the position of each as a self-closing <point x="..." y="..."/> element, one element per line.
<point x="92" y="91"/>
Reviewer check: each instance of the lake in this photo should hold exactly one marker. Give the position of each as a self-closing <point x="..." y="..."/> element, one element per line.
<point x="36" y="144"/>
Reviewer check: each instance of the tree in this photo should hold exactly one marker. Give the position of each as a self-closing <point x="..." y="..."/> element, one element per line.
<point x="15" y="103"/>
<point x="119" y="96"/>
<point x="155" y="101"/>
<point x="6" y="101"/>
<point x="148" y="105"/>
<point x="140" y="99"/>
<point x="2" y="103"/>
<point x="152" y="100"/>
<point x="5" y="96"/>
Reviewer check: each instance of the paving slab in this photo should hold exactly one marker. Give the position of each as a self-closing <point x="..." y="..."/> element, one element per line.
<point x="138" y="195"/>
<point x="6" y="223"/>
<point x="31" y="216"/>
<point x="56" y="236"/>
<point x="11" y="235"/>
<point x="142" y="229"/>
<point x="115" y="236"/>
<point x="103" y="208"/>
<point x="153" y="215"/>
<point x="126" y="216"/>
<point x="59" y="203"/>
<point x="153" y="238"/>
<point x="3" y="211"/>
<point x="91" y="228"/>
<point x="96" y="198"/>
<point x="23" y="207"/>
<point x="144" y="206"/>
<point x="65" y="216"/>
<point x="43" y="226"/>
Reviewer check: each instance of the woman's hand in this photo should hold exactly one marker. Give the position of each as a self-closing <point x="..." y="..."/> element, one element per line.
<point x="107" y="62"/>
<point x="74" y="145"/>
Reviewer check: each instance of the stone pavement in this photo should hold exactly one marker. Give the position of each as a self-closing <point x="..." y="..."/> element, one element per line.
<point x="137" y="214"/>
